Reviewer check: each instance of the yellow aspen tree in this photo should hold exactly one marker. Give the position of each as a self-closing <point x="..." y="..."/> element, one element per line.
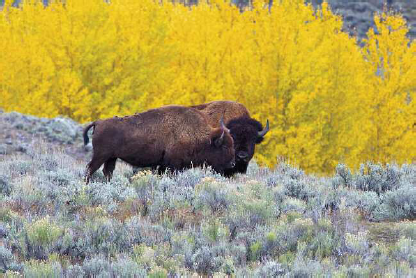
<point x="393" y="110"/>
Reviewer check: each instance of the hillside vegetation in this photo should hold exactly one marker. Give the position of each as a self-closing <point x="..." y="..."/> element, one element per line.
<point x="268" y="223"/>
<point x="329" y="101"/>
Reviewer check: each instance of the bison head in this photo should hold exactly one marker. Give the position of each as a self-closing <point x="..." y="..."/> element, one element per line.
<point x="246" y="133"/>
<point x="221" y="154"/>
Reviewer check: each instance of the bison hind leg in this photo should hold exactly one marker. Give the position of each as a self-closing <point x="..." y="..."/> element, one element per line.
<point x="93" y="166"/>
<point x="109" y="167"/>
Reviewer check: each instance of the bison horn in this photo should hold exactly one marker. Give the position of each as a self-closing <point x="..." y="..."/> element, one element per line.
<point x="265" y="130"/>
<point x="222" y="125"/>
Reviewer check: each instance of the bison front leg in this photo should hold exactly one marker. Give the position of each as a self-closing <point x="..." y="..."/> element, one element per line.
<point x="160" y="170"/>
<point x="109" y="167"/>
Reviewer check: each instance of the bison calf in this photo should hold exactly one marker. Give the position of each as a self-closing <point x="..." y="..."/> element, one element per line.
<point x="172" y="137"/>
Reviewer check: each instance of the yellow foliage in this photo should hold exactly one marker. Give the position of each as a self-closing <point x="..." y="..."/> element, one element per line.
<point x="393" y="108"/>
<point x="328" y="99"/>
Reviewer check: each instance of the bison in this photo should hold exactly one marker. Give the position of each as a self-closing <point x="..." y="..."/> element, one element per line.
<point x="246" y="131"/>
<point x="171" y="137"/>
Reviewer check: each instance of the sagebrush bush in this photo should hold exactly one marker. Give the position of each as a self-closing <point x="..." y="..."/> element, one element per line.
<point x="367" y="202"/>
<point x="266" y="223"/>
<point x="213" y="196"/>
<point x="304" y="267"/>
<point x="108" y="194"/>
<point x="374" y="177"/>
<point x="293" y="205"/>
<point x="397" y="205"/>
<point x="358" y="271"/>
<point x="343" y="176"/>
<point x="41" y="236"/>
<point x="97" y="266"/>
<point x="126" y="267"/>
<point x="19" y="167"/>
<point x="102" y="236"/>
<point x="75" y="271"/>
<point x="405" y="250"/>
<point x="43" y="269"/>
<point x="252" y="205"/>
<point x="408" y="229"/>
<point x="5" y="186"/>
<point x="214" y="230"/>
<point x="204" y="260"/>
<point x="7" y="260"/>
<point x="270" y="269"/>
<point x="356" y="244"/>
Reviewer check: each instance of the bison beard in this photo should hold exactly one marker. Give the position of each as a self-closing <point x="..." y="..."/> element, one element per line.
<point x="171" y="137"/>
<point x="246" y="131"/>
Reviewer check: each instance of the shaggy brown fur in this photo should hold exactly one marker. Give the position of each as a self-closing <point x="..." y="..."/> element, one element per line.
<point x="228" y="110"/>
<point x="246" y="131"/>
<point x="172" y="137"/>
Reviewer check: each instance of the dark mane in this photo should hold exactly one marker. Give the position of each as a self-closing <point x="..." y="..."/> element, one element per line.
<point x="243" y="121"/>
<point x="244" y="127"/>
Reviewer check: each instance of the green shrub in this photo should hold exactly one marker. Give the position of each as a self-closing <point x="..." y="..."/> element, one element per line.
<point x="357" y="271"/>
<point x="75" y="271"/>
<point x="42" y="269"/>
<point x="97" y="266"/>
<point x="343" y="177"/>
<point x="126" y="267"/>
<point x="42" y="235"/>
<point x="5" y="185"/>
<point x="397" y="205"/>
<point x="43" y="232"/>
<point x="270" y="269"/>
<point x="214" y="230"/>
<point x="357" y="244"/>
<point x="373" y="177"/>
<point x="293" y="205"/>
<point x="212" y="195"/>
<point x="7" y="260"/>
<point x="408" y="229"/>
<point x="158" y="272"/>
<point x="205" y="261"/>
<point x="255" y="251"/>
<point x="405" y="250"/>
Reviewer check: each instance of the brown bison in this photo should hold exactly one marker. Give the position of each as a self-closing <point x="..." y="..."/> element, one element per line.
<point x="246" y="131"/>
<point x="171" y="137"/>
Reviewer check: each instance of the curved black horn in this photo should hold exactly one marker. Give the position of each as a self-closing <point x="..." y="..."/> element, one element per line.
<point x="265" y="130"/>
<point x="222" y="125"/>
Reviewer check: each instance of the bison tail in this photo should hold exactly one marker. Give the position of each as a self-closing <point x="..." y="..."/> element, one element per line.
<point x="85" y="134"/>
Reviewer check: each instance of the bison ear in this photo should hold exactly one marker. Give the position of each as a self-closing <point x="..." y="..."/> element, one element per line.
<point x="219" y="140"/>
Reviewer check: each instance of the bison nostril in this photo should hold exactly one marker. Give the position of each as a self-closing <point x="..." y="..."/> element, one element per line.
<point x="232" y="164"/>
<point x="242" y="155"/>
